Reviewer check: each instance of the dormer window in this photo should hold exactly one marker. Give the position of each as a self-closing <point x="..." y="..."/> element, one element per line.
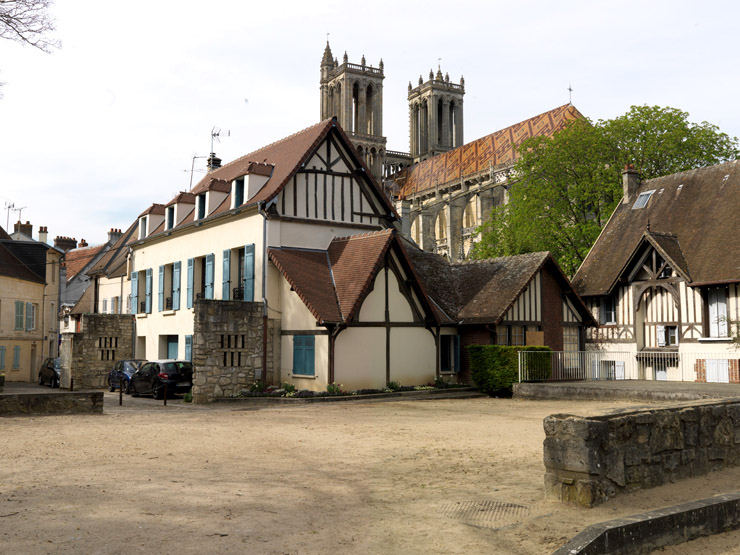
<point x="237" y="192"/>
<point x="201" y="206"/>
<point x="170" y="217"/>
<point x="642" y="200"/>
<point x="142" y="227"/>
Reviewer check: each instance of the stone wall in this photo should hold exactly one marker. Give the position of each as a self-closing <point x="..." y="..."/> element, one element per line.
<point x="77" y="402"/>
<point x="589" y="460"/>
<point x="88" y="356"/>
<point x="227" y="349"/>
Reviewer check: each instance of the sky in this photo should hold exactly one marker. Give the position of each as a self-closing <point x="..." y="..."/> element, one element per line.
<point x="94" y="133"/>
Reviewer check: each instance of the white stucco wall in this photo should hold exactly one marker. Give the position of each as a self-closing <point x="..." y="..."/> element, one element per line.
<point x="413" y="356"/>
<point x="359" y="358"/>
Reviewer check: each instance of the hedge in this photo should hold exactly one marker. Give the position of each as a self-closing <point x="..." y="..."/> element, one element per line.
<point x="494" y="368"/>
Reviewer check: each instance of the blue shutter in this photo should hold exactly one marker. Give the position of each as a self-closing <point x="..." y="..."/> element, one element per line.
<point x="189" y="292"/>
<point x="29" y="316"/>
<point x="298" y="354"/>
<point x="226" y="281"/>
<point x="134" y="292"/>
<point x="2" y="358"/>
<point x="303" y="355"/>
<point x="19" y="315"/>
<point x="209" y="276"/>
<point x="189" y="348"/>
<point x="148" y="291"/>
<point x="308" y="350"/>
<point x="160" y="292"/>
<point x="249" y="273"/>
<point x="176" y="286"/>
<point x="16" y="357"/>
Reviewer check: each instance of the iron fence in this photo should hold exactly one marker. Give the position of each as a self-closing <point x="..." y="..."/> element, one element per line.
<point x="720" y="367"/>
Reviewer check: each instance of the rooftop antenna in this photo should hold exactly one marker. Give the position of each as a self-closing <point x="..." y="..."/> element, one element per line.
<point x="8" y="206"/>
<point x="19" y="211"/>
<point x="216" y="134"/>
<point x="192" y="169"/>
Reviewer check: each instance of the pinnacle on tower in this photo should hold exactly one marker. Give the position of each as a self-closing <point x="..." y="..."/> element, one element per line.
<point x="420" y="80"/>
<point x="381" y="64"/>
<point x="345" y="59"/>
<point x="362" y="62"/>
<point x="431" y="75"/>
<point x="327" y="59"/>
<point x="439" y="74"/>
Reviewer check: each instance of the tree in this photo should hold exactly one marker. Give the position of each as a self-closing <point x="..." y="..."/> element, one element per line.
<point x="28" y="22"/>
<point x="567" y="186"/>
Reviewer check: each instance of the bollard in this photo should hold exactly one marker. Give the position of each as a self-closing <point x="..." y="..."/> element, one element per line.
<point x="165" y="394"/>
<point x="71" y="384"/>
<point x="120" y="391"/>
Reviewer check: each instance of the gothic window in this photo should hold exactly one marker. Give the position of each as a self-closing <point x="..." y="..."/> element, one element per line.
<point x="470" y="218"/>
<point x="440" y="118"/>
<point x="453" y="125"/>
<point x="416" y="231"/>
<point x="355" y="108"/>
<point x="441" y="226"/>
<point x="369" y="114"/>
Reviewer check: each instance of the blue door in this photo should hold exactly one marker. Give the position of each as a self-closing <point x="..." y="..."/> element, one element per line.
<point x="172" y="346"/>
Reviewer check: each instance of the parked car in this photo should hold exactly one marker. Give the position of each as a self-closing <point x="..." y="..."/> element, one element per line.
<point x="151" y="378"/>
<point x="50" y="372"/>
<point x="125" y="369"/>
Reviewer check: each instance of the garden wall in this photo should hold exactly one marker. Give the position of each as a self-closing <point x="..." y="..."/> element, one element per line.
<point x="227" y="349"/>
<point x="589" y="460"/>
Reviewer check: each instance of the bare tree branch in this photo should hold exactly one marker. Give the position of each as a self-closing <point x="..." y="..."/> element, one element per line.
<point x="28" y="22"/>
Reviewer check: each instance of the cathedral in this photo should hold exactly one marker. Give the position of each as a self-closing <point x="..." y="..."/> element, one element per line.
<point x="443" y="188"/>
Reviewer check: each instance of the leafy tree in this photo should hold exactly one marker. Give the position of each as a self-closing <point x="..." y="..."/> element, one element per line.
<point x="28" y="22"/>
<point x="567" y="186"/>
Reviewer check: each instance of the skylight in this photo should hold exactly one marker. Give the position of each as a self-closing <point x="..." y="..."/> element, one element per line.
<point x="643" y="199"/>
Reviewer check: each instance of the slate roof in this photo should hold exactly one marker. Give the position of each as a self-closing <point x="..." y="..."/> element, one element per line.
<point x="4" y="234"/>
<point x="113" y="262"/>
<point x="12" y="266"/>
<point x="497" y="149"/>
<point x="697" y="207"/>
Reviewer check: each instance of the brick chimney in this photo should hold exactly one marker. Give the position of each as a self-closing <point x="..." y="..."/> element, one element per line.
<point x="114" y="235"/>
<point x="630" y="183"/>
<point x="43" y="234"/>
<point x="82" y="244"/>
<point x="213" y="162"/>
<point x="65" y="243"/>
<point x="26" y="229"/>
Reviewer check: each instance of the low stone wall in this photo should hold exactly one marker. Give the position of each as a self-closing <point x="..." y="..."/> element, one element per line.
<point x="589" y="460"/>
<point x="21" y="404"/>
<point x="88" y="356"/>
<point x="227" y="349"/>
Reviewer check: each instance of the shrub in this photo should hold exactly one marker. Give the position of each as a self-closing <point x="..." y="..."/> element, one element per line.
<point x="494" y="368"/>
<point x="188" y="397"/>
<point x="334" y="389"/>
<point x="288" y="387"/>
<point x="393" y="386"/>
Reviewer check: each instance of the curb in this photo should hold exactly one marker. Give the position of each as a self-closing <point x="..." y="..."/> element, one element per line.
<point x="456" y="393"/>
<point x="645" y="532"/>
<point x="537" y="392"/>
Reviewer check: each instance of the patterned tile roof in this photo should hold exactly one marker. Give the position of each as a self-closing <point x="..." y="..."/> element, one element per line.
<point x="699" y="207"/>
<point x="494" y="150"/>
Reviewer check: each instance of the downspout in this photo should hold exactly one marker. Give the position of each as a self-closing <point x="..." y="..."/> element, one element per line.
<point x="333" y="333"/>
<point x="261" y="208"/>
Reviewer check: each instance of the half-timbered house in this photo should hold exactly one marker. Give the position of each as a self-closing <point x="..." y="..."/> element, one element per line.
<point x="663" y="277"/>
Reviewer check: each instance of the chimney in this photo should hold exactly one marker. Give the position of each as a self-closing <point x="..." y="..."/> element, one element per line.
<point x="403" y="207"/>
<point x="213" y="162"/>
<point x="43" y="234"/>
<point x="630" y="183"/>
<point x="83" y="243"/>
<point x="65" y="243"/>
<point x="26" y="229"/>
<point x="113" y="236"/>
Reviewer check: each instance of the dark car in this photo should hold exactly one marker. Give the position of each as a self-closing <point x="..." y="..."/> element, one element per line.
<point x="123" y="369"/>
<point x="151" y="378"/>
<point x="50" y="372"/>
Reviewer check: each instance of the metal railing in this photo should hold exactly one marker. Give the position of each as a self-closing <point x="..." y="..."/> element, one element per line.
<point x="719" y="366"/>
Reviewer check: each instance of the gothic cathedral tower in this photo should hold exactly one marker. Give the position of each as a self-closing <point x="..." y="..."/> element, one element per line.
<point x="435" y="115"/>
<point x="354" y="94"/>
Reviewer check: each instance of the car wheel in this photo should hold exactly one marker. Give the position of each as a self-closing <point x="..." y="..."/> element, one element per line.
<point x="41" y="380"/>
<point x="54" y="383"/>
<point x="157" y="392"/>
<point x="132" y="390"/>
<point x="126" y="387"/>
<point x="111" y="387"/>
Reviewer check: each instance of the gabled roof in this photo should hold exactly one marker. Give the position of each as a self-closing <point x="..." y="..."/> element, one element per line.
<point x="111" y="262"/>
<point x="669" y="248"/>
<point x="697" y="207"/>
<point x="334" y="283"/>
<point x="12" y="266"/>
<point x="4" y="234"/>
<point x="495" y="150"/>
<point x="76" y="260"/>
<point x="182" y="198"/>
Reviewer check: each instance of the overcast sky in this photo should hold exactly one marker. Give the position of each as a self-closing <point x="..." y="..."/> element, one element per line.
<point x="94" y="133"/>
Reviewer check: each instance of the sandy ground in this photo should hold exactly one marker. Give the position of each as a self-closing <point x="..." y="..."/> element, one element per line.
<point x="390" y="477"/>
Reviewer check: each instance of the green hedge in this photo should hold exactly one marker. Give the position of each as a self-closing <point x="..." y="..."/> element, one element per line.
<point x="494" y="368"/>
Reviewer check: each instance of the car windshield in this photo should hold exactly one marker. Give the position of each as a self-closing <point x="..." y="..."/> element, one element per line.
<point x="169" y="367"/>
<point x="185" y="366"/>
<point x="57" y="364"/>
<point x="133" y="365"/>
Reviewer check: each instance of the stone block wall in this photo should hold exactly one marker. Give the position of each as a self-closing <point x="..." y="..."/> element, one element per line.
<point x="589" y="460"/>
<point x="227" y="349"/>
<point x="88" y="356"/>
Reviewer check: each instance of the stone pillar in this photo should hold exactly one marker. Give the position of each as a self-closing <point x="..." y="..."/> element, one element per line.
<point x="454" y="232"/>
<point x="378" y="111"/>
<point x="459" y="123"/>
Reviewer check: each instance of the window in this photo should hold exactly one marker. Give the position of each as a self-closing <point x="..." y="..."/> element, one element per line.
<point x="238" y="192"/>
<point x="30" y="316"/>
<point x="667" y="336"/>
<point x="717" y="312"/>
<point x="571" y="339"/>
<point x="19" y="315"/>
<point x="189" y="348"/>
<point x="200" y="278"/>
<point x="2" y="358"/>
<point x="142" y="227"/>
<point x="303" y="355"/>
<point x="105" y="306"/>
<point x="642" y="200"/>
<point x="238" y="274"/>
<point x="141" y="292"/>
<point x="16" y="357"/>
<point x="449" y="353"/>
<point x="170" y="217"/>
<point x="608" y="312"/>
<point x="509" y="335"/>
<point x="201" y="206"/>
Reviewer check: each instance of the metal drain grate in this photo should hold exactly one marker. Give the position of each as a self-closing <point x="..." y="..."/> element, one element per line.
<point x="488" y="514"/>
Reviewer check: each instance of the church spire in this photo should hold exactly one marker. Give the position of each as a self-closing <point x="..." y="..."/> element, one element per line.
<point x="328" y="59"/>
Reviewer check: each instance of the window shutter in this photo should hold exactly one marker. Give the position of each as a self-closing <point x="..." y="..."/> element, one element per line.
<point x="209" y="276"/>
<point x="661" y="336"/>
<point x="19" y="315"/>
<point x="134" y="292"/>
<point x="176" y="286"/>
<point x="29" y="316"/>
<point x="160" y="292"/>
<point x="226" y="280"/>
<point x="189" y="292"/>
<point x="308" y="353"/>
<point x="148" y="291"/>
<point x="298" y="354"/>
<point x="2" y="357"/>
<point x="16" y="357"/>
<point x="249" y="273"/>
<point x="189" y="348"/>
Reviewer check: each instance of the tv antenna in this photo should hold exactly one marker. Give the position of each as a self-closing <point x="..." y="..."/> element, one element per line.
<point x="216" y="134"/>
<point x="8" y="206"/>
<point x="192" y="169"/>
